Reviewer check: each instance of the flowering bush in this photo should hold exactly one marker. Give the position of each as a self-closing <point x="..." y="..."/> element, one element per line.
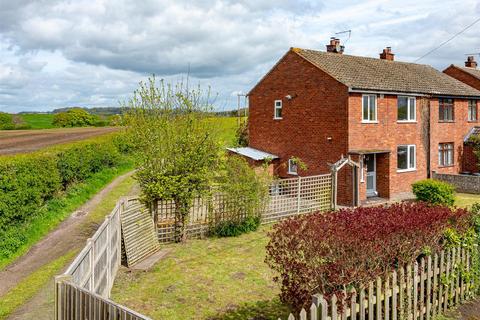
<point x="328" y="252"/>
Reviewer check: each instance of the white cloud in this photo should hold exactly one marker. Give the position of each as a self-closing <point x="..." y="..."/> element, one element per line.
<point x="93" y="52"/>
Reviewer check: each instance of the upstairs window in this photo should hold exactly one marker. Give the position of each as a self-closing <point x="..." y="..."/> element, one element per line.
<point x="292" y="166"/>
<point x="369" y="108"/>
<point x="445" y="110"/>
<point x="445" y="154"/>
<point x="406" y="109"/>
<point x="406" y="158"/>
<point x="278" y="110"/>
<point x="472" y="110"/>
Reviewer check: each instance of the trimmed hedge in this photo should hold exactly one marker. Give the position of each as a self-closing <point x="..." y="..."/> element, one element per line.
<point x="28" y="181"/>
<point x="327" y="252"/>
<point x="434" y="192"/>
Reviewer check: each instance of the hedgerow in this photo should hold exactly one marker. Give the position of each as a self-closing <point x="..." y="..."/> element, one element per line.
<point x="328" y="252"/>
<point x="28" y="181"/>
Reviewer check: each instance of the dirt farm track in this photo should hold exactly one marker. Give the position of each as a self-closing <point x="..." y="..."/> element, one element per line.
<point x="23" y="141"/>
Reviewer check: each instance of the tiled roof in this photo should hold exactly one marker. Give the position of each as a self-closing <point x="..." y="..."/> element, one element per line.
<point x="364" y="73"/>
<point x="472" y="71"/>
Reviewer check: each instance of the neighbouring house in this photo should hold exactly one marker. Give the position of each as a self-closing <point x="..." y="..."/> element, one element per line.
<point x="469" y="74"/>
<point x="400" y="121"/>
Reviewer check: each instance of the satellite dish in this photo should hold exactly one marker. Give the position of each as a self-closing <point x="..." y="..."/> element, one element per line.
<point x="338" y="47"/>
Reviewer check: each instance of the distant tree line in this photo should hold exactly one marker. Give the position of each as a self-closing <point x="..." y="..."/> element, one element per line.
<point x="110" y="111"/>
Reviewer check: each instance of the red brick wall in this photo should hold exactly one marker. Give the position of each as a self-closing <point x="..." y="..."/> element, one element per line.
<point x="450" y="132"/>
<point x="316" y="113"/>
<point x="463" y="76"/>
<point x="387" y="134"/>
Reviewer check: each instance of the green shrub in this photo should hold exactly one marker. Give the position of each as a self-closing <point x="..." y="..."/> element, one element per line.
<point x="84" y="159"/>
<point x="26" y="182"/>
<point x="6" y="120"/>
<point x="245" y="192"/>
<point x="74" y="118"/>
<point x="434" y="191"/>
<point x="232" y="228"/>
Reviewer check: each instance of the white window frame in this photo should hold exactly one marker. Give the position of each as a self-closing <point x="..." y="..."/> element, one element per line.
<point x="368" y="108"/>
<point x="275" y="108"/>
<point x="409" y="116"/>
<point x="475" y="104"/>
<point x="442" y="150"/>
<point x="408" y="157"/>
<point x="292" y="165"/>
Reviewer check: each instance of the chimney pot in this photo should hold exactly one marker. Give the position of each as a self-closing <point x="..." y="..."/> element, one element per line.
<point x="387" y="54"/>
<point x="335" y="46"/>
<point x="471" y="63"/>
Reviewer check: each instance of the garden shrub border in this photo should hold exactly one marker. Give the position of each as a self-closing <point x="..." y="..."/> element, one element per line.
<point x="331" y="252"/>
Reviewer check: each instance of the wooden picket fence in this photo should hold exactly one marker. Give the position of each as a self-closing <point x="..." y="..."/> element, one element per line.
<point x="421" y="291"/>
<point x="287" y="198"/>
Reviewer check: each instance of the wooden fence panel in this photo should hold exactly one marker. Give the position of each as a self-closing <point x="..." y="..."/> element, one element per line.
<point x="413" y="293"/>
<point x="80" y="304"/>
<point x="287" y="198"/>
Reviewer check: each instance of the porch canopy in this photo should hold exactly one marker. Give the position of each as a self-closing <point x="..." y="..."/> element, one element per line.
<point x="368" y="151"/>
<point x="475" y="131"/>
<point x="254" y="154"/>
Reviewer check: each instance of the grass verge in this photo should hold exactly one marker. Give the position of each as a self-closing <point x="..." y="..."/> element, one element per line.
<point x="465" y="200"/>
<point x="214" y="278"/>
<point x="27" y="288"/>
<point x="57" y="209"/>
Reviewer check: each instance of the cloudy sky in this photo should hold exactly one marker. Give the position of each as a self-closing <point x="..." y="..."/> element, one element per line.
<point x="56" y="53"/>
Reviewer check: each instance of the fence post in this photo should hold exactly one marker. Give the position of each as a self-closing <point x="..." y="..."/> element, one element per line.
<point x="58" y="298"/>
<point x="92" y="263"/>
<point x="298" y="194"/>
<point x="109" y="256"/>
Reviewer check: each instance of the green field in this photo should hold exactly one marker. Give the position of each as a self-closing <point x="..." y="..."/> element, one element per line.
<point x="38" y="121"/>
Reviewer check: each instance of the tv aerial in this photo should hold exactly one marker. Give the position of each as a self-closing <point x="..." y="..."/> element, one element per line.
<point x="344" y="32"/>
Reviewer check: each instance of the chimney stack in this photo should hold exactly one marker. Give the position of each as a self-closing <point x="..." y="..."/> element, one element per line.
<point x="387" y="54"/>
<point x="471" y="63"/>
<point x="335" y="46"/>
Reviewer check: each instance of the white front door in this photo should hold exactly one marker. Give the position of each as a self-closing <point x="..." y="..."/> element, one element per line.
<point x="371" y="164"/>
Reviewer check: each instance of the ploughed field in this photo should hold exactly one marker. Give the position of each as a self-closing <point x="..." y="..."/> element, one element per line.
<point x="23" y="141"/>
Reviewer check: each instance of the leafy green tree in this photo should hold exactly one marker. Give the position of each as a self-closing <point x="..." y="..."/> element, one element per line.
<point x="74" y="118"/>
<point x="178" y="152"/>
<point x="5" y="120"/>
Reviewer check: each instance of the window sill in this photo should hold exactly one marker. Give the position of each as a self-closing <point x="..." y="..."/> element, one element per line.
<point x="277" y="118"/>
<point x="363" y="121"/>
<point x="473" y="121"/>
<point x="447" y="166"/>
<point x="406" y="170"/>
<point x="292" y="173"/>
<point x="406" y="121"/>
<point x="440" y="121"/>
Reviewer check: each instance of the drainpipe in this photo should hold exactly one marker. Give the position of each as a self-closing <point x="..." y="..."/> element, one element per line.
<point x="429" y="135"/>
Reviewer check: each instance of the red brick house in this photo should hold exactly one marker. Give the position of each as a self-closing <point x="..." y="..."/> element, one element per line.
<point x="400" y="121"/>
<point x="470" y="75"/>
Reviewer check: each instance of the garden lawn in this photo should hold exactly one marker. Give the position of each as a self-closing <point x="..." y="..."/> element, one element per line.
<point x="466" y="199"/>
<point x="214" y="278"/>
<point x="38" y="120"/>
